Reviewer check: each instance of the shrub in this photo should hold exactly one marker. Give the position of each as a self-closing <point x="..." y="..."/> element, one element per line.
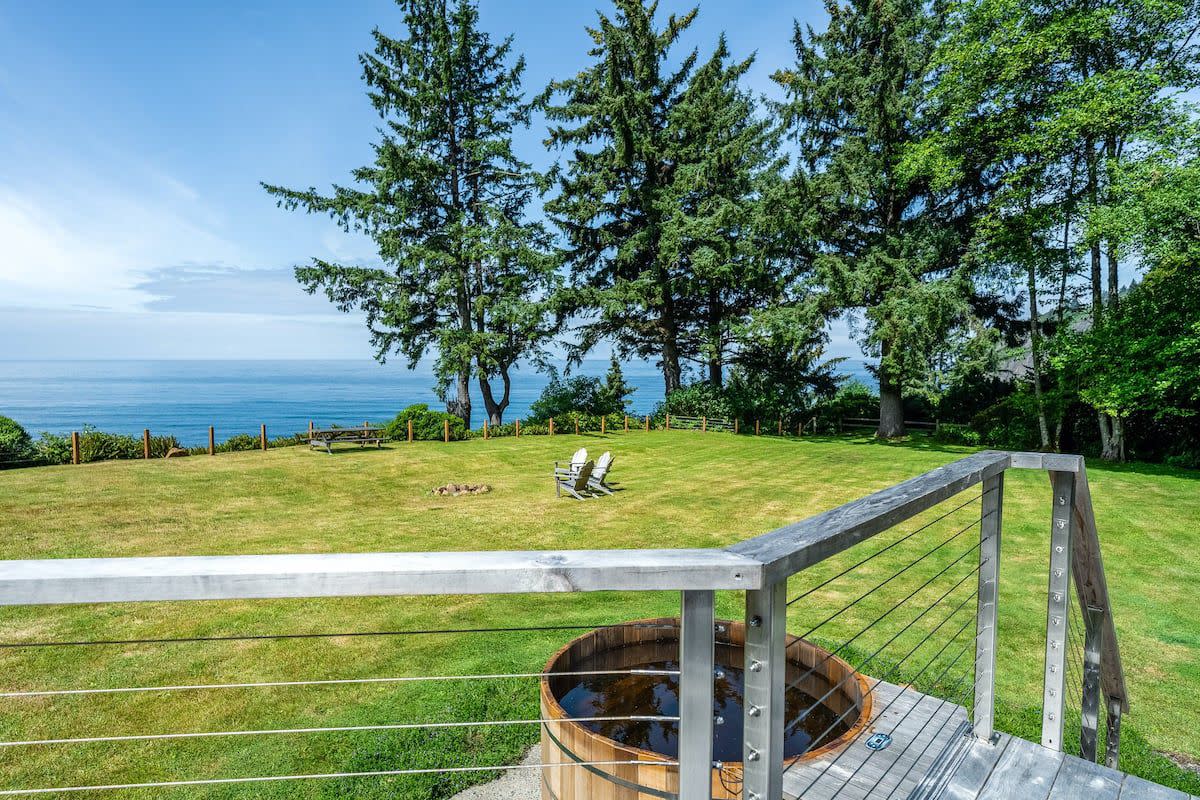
<point x="15" y="442"/>
<point x="582" y="394"/>
<point x="238" y="443"/>
<point x="697" y="400"/>
<point x="97" y="445"/>
<point x="953" y="433"/>
<point x="51" y="448"/>
<point x="1010" y="424"/>
<point x="161" y="445"/>
<point x="427" y="424"/>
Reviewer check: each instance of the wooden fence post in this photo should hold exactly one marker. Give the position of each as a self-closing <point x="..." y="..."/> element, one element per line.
<point x="735" y="425"/>
<point x="704" y="424"/>
<point x="262" y="435"/>
<point x="552" y="426"/>
<point x="781" y="426"/>
<point x="446" y="430"/>
<point x="603" y="424"/>
<point x="74" y="447"/>
<point x="627" y="423"/>
<point x="146" y="444"/>
<point x="310" y="428"/>
<point x="485" y="429"/>
<point x="756" y="427"/>
<point x="800" y="428"/>
<point x="518" y="428"/>
<point x="576" y="424"/>
<point x="410" y="430"/>
<point x="647" y="423"/>
<point x="668" y="422"/>
<point x="212" y="440"/>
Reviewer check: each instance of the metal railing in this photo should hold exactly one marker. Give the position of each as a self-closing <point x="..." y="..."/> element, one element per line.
<point x="914" y="618"/>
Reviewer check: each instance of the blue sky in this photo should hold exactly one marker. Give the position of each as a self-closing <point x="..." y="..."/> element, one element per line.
<point x="133" y="136"/>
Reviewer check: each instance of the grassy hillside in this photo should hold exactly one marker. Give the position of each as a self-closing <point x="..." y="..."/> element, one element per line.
<point x="681" y="489"/>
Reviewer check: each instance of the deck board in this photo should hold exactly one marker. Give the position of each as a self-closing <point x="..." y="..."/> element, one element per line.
<point x="933" y="757"/>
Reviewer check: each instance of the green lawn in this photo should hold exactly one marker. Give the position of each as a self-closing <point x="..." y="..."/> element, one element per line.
<point x="682" y="489"/>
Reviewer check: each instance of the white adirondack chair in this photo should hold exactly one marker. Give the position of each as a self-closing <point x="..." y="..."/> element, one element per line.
<point x="600" y="473"/>
<point x="570" y="472"/>
<point x="575" y="485"/>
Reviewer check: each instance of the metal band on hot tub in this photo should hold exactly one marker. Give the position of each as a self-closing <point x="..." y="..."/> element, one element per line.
<point x="637" y="787"/>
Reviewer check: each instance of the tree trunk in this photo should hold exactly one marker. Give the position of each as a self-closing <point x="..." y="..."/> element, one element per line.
<point x="460" y="404"/>
<point x="669" y="333"/>
<point x="716" y="374"/>
<point x="891" y="400"/>
<point x="1035" y="354"/>
<point x="492" y="407"/>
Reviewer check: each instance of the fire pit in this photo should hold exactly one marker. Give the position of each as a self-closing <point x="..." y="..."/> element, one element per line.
<point x="456" y="489"/>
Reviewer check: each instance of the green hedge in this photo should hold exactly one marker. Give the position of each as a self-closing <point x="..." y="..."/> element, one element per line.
<point x="15" y="442"/>
<point x="428" y="425"/>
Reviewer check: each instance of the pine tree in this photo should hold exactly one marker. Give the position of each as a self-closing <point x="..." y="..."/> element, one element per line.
<point x="721" y="228"/>
<point x="614" y="117"/>
<point x="887" y="243"/>
<point x="465" y="273"/>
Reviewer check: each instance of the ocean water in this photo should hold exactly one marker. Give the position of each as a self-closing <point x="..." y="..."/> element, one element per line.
<point x="183" y="398"/>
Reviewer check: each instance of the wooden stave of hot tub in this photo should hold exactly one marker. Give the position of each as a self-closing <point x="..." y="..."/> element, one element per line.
<point x="566" y="743"/>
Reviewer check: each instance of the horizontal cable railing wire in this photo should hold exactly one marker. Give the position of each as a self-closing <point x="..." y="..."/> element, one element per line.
<point x="331" y="682"/>
<point x="397" y="726"/>
<point x="257" y="637"/>
<point x="381" y="773"/>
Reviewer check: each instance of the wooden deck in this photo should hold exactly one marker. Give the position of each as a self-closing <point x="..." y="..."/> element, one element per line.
<point x="933" y="757"/>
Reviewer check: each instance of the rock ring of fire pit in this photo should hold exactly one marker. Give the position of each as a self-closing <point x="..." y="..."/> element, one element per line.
<point x="456" y="489"/>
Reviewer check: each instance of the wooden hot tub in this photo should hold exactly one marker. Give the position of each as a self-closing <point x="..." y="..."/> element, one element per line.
<point x="654" y="644"/>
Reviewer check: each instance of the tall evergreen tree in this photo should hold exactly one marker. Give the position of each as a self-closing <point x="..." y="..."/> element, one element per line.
<point x="887" y="244"/>
<point x="465" y="273"/>
<point x="721" y="224"/>
<point x="659" y="201"/>
<point x="615" y="117"/>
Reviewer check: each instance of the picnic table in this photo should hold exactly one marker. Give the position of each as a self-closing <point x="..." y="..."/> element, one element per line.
<point x="361" y="436"/>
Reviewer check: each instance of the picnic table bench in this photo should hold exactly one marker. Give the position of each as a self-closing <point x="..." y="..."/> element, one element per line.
<point x="361" y="436"/>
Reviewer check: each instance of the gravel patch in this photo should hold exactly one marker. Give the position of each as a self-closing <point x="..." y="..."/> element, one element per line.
<point x="517" y="784"/>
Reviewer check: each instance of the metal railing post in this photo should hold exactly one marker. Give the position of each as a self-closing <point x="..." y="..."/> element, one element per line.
<point x="991" y="511"/>
<point x="1112" y="745"/>
<point x="696" y="660"/>
<point x="1058" y="609"/>
<point x="765" y="671"/>
<point x="1090" y="702"/>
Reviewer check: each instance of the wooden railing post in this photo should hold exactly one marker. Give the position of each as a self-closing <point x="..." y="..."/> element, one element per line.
<point x="627" y="423"/>
<point x="576" y="424"/>
<point x="990" y="526"/>
<point x="262" y="436"/>
<point x="704" y="424"/>
<point x="146" y="444"/>
<point x="485" y="429"/>
<point x="603" y="424"/>
<point x="212" y="440"/>
<point x="518" y="428"/>
<point x="647" y="423"/>
<point x="756" y="430"/>
<point x="1058" y="606"/>
<point x="668" y="427"/>
<point x="410" y="430"/>
<point x="446" y="430"/>
<point x="552" y="426"/>
<point x="766" y="668"/>
<point x="780" y="433"/>
<point x="735" y="425"/>
<point x="696" y="662"/>
<point x="74" y="447"/>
